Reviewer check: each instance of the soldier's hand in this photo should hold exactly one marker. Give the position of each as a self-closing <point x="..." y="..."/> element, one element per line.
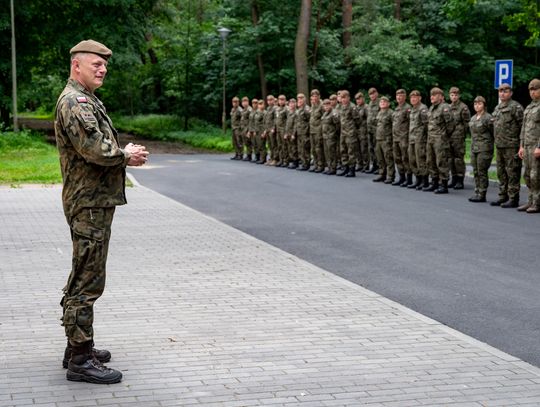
<point x="138" y="154"/>
<point x="537" y="152"/>
<point x="520" y="153"/>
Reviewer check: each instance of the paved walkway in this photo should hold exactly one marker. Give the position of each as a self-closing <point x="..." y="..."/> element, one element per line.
<point x="199" y="314"/>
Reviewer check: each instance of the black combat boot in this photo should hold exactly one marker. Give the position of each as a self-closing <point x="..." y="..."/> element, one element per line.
<point x="477" y="198"/>
<point x="344" y="170"/>
<point x="380" y="178"/>
<point x="443" y="188"/>
<point x="374" y="169"/>
<point x="424" y="184"/>
<point x="247" y="157"/>
<point x="433" y="186"/>
<point x="499" y="201"/>
<point x="102" y="355"/>
<point x="408" y="181"/>
<point x="256" y="159"/>
<point x="453" y="181"/>
<point x="417" y="183"/>
<point x="511" y="203"/>
<point x="459" y="183"/>
<point x="400" y="180"/>
<point x="351" y="173"/>
<point x="84" y="367"/>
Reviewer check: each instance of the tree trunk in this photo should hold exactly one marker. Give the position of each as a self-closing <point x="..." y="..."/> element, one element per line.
<point x="397" y="10"/>
<point x="262" y="77"/>
<point x="347" y="22"/>
<point x="300" y="47"/>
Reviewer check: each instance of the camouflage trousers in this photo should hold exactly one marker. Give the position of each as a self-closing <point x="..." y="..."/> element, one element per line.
<point x="260" y="145"/>
<point x="317" y="149"/>
<point x="352" y="150"/>
<point x="372" y="144"/>
<point x="437" y="158"/>
<point x="273" y="145"/>
<point x="248" y="143"/>
<point x="90" y="234"/>
<point x="401" y="156"/>
<point x="385" y="158"/>
<point x="363" y="156"/>
<point x="342" y="151"/>
<point x="532" y="175"/>
<point x="481" y="162"/>
<point x="290" y="150"/>
<point x="304" y="150"/>
<point x="238" y="141"/>
<point x="417" y="158"/>
<point x="456" y="156"/>
<point x="330" y="152"/>
<point x="508" y="173"/>
<point x="280" y="147"/>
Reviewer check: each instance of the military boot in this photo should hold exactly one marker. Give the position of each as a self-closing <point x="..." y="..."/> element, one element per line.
<point x="380" y="178"/>
<point x="417" y="183"/>
<point x="511" y="203"/>
<point x="373" y="169"/>
<point x="433" y="186"/>
<point x="344" y="170"/>
<point x="351" y="173"/>
<point x="102" y="355"/>
<point x="459" y="183"/>
<point x="247" y="157"/>
<point x="534" y="208"/>
<point x="524" y="207"/>
<point x="453" y="181"/>
<point x="256" y="159"/>
<point x="478" y="198"/>
<point x="408" y="181"/>
<point x="499" y="201"/>
<point x="424" y="184"/>
<point x="443" y="188"/>
<point x="84" y="367"/>
<point x="400" y="180"/>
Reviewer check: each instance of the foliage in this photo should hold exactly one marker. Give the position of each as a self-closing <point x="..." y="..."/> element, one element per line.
<point x="26" y="157"/>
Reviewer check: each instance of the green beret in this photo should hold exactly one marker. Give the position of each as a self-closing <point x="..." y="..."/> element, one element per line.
<point x="92" y="47"/>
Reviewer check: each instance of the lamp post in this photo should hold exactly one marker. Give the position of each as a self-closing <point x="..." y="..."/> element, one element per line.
<point x="224" y="32"/>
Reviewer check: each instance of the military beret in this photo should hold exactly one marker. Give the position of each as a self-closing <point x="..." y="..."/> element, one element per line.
<point x="480" y="99"/>
<point x="401" y="92"/>
<point x="504" y="86"/>
<point x="372" y="90"/>
<point x="534" y="84"/>
<point x="385" y="99"/>
<point x="454" y="89"/>
<point x="436" y="91"/>
<point x="415" y="93"/>
<point x="92" y="47"/>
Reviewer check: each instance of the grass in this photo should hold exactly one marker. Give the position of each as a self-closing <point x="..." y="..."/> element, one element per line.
<point x="26" y="158"/>
<point x="168" y="128"/>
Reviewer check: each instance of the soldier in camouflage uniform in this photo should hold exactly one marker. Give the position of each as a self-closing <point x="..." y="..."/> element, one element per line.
<point x="244" y="124"/>
<point x="330" y="128"/>
<point x="482" y="141"/>
<point x="269" y="133"/>
<point x="507" y="121"/>
<point x="462" y="115"/>
<point x="281" y="121"/>
<point x="383" y="143"/>
<point x="290" y="136"/>
<point x="236" y="129"/>
<point x="315" y="132"/>
<point x="361" y="131"/>
<point x="93" y="170"/>
<point x="400" y="137"/>
<point x="373" y="110"/>
<point x="529" y="150"/>
<point x="440" y="128"/>
<point x="302" y="132"/>
<point x="335" y="102"/>
<point x="418" y="121"/>
<point x="260" y="141"/>
<point x="251" y="129"/>
<point x="348" y="120"/>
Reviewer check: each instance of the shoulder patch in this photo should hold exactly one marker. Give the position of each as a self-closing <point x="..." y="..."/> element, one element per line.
<point x="87" y="116"/>
<point x="445" y="109"/>
<point x="82" y="99"/>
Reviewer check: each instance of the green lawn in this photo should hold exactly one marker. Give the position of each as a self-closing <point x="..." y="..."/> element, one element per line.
<point x="26" y="158"/>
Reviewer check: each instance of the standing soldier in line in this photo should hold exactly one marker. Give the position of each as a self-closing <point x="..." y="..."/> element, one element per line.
<point x="315" y="132"/>
<point x="269" y="132"/>
<point x="400" y="137"/>
<point x="330" y="129"/>
<point x="336" y="107"/>
<point x="462" y="116"/>
<point x="507" y="121"/>
<point x="481" y="126"/>
<point x="252" y="130"/>
<point x="302" y="132"/>
<point x="361" y="129"/>
<point x="440" y="128"/>
<point x="281" y="120"/>
<point x="348" y="120"/>
<point x="260" y="141"/>
<point x="529" y="150"/>
<point x="383" y="143"/>
<point x="418" y="121"/>
<point x="373" y="110"/>
<point x="244" y="124"/>
<point x="291" y="147"/>
<point x="236" y="129"/>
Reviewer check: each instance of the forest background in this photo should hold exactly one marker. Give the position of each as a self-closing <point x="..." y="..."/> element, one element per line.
<point x="168" y="55"/>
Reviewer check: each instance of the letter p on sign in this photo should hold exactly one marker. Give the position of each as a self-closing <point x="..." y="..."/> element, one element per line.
<point x="503" y="72"/>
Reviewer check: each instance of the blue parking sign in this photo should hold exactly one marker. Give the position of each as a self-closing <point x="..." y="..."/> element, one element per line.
<point x="503" y="72"/>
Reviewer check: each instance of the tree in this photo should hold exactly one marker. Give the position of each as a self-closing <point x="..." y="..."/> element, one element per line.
<point x="301" y="47"/>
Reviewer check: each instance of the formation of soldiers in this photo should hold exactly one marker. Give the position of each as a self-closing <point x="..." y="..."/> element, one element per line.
<point x="411" y="146"/>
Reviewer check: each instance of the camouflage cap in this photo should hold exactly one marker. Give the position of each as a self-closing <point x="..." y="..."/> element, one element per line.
<point x="437" y="91"/>
<point x="454" y="89"/>
<point x="534" y="84"/>
<point x="359" y="95"/>
<point x="503" y="86"/>
<point x="92" y="47"/>
<point x="415" y="93"/>
<point x="315" y="92"/>
<point x="480" y="99"/>
<point x="326" y="101"/>
<point x="385" y="99"/>
<point x="372" y="90"/>
<point x="401" y="92"/>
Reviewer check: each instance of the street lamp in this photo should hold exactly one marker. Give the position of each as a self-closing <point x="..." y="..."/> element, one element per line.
<point x="224" y="32"/>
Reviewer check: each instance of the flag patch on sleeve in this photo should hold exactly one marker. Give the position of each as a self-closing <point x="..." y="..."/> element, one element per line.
<point x="82" y="99"/>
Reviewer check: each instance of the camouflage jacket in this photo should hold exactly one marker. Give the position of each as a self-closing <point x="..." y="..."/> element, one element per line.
<point x="348" y="117"/>
<point x="507" y="121"/>
<point x="270" y="119"/>
<point x="258" y="121"/>
<point x="251" y="121"/>
<point x="91" y="160"/>
<point x="290" y="125"/>
<point x="440" y="122"/>
<point x="302" y="121"/>
<point x="384" y="125"/>
<point x="362" y="117"/>
<point x="330" y="125"/>
<point x="400" y="123"/>
<point x="244" y="120"/>
<point x="236" y="117"/>
<point x="530" y="129"/>
<point x="481" y="133"/>
<point x="418" y="121"/>
<point x="373" y="110"/>
<point x="315" y="119"/>
<point x="462" y="116"/>
<point x="281" y="119"/>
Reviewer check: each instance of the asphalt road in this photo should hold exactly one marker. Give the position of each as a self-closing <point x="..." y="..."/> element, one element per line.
<point x="468" y="265"/>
